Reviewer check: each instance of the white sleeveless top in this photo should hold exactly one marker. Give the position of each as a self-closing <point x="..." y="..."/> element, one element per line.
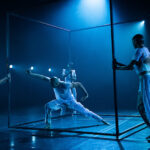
<point x="140" y="55"/>
<point x="63" y="91"/>
<point x="71" y="76"/>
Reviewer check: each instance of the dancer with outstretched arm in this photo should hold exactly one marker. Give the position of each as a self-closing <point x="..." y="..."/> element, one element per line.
<point x="141" y="64"/>
<point x="64" y="96"/>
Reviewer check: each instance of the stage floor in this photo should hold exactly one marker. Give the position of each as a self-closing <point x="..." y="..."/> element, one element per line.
<point x="80" y="123"/>
<point x="46" y="140"/>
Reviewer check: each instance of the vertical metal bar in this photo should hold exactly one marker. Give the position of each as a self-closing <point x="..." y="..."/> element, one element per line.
<point x="69" y="48"/>
<point x="114" y="71"/>
<point x="8" y="70"/>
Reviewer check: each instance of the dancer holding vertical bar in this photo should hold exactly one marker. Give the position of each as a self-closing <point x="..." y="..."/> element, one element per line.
<point x="141" y="64"/>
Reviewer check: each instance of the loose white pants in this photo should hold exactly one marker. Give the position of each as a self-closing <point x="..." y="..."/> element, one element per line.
<point x="72" y="104"/>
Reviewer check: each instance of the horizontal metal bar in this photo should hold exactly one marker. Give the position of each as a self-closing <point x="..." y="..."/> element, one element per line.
<point x="132" y="128"/>
<point x="62" y="130"/>
<point x="88" y="28"/>
<point x="69" y="30"/>
<point x="118" y="115"/>
<point x="74" y="114"/>
<point x="25" y="123"/>
<point x="80" y="132"/>
<point x="122" y="115"/>
<point x="71" y="131"/>
<point x="133" y="133"/>
<point x="74" y="128"/>
<point x="38" y="21"/>
<point x="105" y="25"/>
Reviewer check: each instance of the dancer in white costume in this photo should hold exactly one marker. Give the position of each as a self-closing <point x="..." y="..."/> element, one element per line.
<point x="69" y="75"/>
<point x="5" y="79"/>
<point x="64" y="96"/>
<point x="141" y="64"/>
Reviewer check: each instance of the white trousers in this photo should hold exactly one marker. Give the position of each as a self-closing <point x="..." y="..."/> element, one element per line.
<point x="72" y="104"/>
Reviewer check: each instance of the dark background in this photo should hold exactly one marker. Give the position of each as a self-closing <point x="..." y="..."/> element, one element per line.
<point x="44" y="47"/>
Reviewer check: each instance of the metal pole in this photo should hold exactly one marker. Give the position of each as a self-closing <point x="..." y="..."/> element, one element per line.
<point x="69" y="48"/>
<point x="114" y="71"/>
<point x="38" y="21"/>
<point x="8" y="70"/>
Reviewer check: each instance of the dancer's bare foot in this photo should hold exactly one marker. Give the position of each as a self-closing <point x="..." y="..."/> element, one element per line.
<point x="105" y="122"/>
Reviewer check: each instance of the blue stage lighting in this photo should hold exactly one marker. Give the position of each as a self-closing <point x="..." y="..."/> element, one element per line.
<point x="31" y="68"/>
<point x="142" y="23"/>
<point x="93" y="3"/>
<point x="33" y="139"/>
<point x="10" y="66"/>
<point x="93" y="10"/>
<point x="49" y="69"/>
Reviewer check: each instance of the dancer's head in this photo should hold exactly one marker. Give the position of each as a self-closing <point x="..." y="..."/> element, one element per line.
<point x="55" y="82"/>
<point x="138" y="41"/>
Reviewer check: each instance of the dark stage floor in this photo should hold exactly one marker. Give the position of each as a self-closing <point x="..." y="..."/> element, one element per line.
<point x="41" y="140"/>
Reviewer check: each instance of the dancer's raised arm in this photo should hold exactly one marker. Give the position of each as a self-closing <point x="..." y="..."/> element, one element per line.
<point x="5" y="79"/>
<point x="38" y="76"/>
<point x="79" y="84"/>
<point x="120" y="66"/>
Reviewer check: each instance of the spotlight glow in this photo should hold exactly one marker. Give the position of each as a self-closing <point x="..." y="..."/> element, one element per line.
<point x="93" y="10"/>
<point x="49" y="69"/>
<point x="33" y="139"/>
<point x="31" y="68"/>
<point x="93" y="3"/>
<point x="142" y="23"/>
<point x="10" y="66"/>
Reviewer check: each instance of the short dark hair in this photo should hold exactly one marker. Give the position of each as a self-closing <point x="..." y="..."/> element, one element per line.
<point x="53" y="79"/>
<point x="139" y="38"/>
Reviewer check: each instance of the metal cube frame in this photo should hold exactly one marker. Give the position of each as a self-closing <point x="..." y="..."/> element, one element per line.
<point x="118" y="135"/>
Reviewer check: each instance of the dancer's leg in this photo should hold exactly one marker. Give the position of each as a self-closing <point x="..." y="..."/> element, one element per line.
<point x="146" y="100"/>
<point x="49" y="107"/>
<point x="84" y="111"/>
<point x="141" y="110"/>
<point x="63" y="110"/>
<point x="74" y="92"/>
<point x="47" y="116"/>
<point x="146" y="95"/>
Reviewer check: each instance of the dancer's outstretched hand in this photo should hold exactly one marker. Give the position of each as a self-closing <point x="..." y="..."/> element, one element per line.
<point x="84" y="98"/>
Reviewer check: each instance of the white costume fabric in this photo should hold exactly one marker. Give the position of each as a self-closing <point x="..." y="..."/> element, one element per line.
<point x="144" y="79"/>
<point x="64" y="97"/>
<point x="71" y="77"/>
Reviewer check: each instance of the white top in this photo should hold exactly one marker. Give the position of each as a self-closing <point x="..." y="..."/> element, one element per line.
<point x="140" y="55"/>
<point x="63" y="91"/>
<point x="71" y="76"/>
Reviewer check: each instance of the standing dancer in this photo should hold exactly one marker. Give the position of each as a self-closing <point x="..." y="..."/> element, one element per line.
<point x="141" y="64"/>
<point x="64" y="96"/>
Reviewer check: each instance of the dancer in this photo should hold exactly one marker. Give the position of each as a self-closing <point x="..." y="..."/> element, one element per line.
<point x="5" y="79"/>
<point x="65" y="97"/>
<point x="141" y="64"/>
<point x="69" y="75"/>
